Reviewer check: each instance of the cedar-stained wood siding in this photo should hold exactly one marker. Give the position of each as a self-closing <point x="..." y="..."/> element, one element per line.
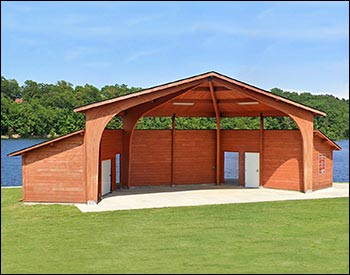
<point x="55" y="173"/>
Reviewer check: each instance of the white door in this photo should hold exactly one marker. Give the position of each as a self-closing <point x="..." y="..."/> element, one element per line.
<point x="252" y="178"/>
<point x="106" y="177"/>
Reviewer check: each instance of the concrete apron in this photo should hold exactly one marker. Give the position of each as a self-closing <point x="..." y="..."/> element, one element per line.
<point x="207" y="197"/>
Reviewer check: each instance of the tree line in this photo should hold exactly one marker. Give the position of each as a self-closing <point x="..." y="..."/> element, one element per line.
<point x="46" y="110"/>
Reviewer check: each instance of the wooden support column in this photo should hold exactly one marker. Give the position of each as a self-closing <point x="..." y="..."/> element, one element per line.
<point x="95" y="126"/>
<point x="173" y="126"/>
<point x="129" y="123"/>
<point x="125" y="160"/>
<point x="217" y="116"/>
<point x="261" y="155"/>
<point x="306" y="126"/>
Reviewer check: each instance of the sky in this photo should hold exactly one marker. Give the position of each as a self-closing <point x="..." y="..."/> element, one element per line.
<point x="294" y="46"/>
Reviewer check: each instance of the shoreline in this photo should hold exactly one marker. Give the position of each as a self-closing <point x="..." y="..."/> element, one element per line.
<point x="19" y="137"/>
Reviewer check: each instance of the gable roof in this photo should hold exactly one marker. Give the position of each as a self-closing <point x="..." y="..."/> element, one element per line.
<point x="203" y="76"/>
<point x="327" y="139"/>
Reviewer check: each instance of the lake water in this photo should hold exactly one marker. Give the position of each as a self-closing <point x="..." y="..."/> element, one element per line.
<point x="11" y="168"/>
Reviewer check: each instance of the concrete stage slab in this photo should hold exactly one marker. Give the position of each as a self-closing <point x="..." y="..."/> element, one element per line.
<point x="192" y="195"/>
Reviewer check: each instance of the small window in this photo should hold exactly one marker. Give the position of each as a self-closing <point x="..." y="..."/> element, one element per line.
<point x="321" y="164"/>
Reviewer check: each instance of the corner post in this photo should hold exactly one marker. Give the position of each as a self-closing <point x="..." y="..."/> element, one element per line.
<point x="306" y="127"/>
<point x="95" y="126"/>
<point x="129" y="123"/>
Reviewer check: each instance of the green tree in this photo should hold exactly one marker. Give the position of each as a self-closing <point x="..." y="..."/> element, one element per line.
<point x="48" y="109"/>
<point x="10" y="88"/>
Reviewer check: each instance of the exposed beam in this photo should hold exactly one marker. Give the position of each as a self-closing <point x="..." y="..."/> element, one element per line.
<point x="217" y="116"/>
<point x="213" y="98"/>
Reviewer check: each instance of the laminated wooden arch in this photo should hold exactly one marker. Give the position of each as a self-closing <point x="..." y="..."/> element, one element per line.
<point x="209" y="95"/>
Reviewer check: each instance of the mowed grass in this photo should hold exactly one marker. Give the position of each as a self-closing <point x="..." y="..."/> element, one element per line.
<point x="310" y="236"/>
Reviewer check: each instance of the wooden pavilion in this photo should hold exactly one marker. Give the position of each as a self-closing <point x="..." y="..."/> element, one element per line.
<point x="83" y="166"/>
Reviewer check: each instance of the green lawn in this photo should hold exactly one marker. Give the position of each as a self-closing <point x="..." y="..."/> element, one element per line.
<point x="310" y="236"/>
